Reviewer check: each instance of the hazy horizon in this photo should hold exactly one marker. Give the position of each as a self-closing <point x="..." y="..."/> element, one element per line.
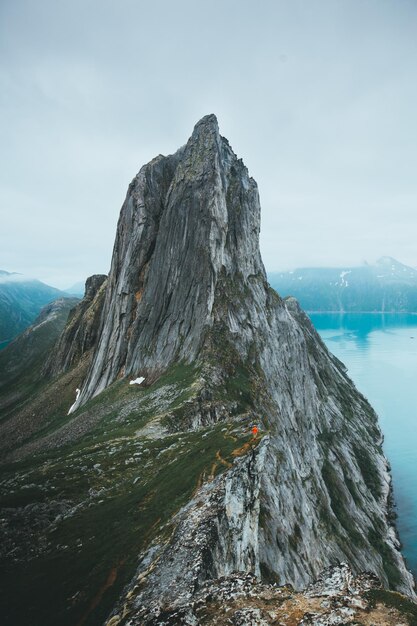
<point x="17" y="277"/>
<point x="318" y="100"/>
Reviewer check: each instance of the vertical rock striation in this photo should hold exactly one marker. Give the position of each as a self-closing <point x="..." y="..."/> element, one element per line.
<point x="188" y="219"/>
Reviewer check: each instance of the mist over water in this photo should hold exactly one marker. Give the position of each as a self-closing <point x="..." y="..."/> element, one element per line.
<point x="380" y="352"/>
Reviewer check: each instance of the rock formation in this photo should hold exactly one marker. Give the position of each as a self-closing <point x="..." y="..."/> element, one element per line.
<point x="81" y="332"/>
<point x="188" y="227"/>
<point x="187" y="306"/>
<point x="187" y="280"/>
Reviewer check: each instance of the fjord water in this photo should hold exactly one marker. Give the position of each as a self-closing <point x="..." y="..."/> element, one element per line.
<point x="380" y="352"/>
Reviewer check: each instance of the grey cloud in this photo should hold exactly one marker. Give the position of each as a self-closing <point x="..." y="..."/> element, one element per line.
<point x="318" y="98"/>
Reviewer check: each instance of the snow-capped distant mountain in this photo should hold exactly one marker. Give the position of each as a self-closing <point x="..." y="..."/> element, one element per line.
<point x="388" y="286"/>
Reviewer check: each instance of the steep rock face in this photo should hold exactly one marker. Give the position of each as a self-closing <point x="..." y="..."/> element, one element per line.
<point x="185" y="220"/>
<point x="216" y="534"/>
<point x="187" y="284"/>
<point x="325" y="494"/>
<point x="81" y="331"/>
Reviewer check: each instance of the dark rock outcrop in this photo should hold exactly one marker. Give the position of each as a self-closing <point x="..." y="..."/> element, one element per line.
<point x="81" y="332"/>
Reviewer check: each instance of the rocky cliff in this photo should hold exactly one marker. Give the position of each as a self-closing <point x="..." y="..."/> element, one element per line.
<point x="186" y="493"/>
<point x="81" y="332"/>
<point x="188" y="229"/>
<point x="336" y="597"/>
<point x="187" y="280"/>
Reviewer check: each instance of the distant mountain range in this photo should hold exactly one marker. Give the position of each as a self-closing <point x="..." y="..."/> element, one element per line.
<point x="387" y="286"/>
<point x="21" y="300"/>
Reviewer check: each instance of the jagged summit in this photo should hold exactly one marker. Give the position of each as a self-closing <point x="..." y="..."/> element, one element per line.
<point x="208" y="123"/>
<point x="187" y="219"/>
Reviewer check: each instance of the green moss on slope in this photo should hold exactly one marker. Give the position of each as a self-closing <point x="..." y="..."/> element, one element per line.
<point x="122" y="504"/>
<point x="405" y="607"/>
<point x="118" y="488"/>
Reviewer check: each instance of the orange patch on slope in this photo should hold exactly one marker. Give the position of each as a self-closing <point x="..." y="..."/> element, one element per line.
<point x="243" y="449"/>
<point x="222" y="460"/>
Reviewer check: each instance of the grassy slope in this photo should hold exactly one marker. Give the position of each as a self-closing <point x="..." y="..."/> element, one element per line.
<point x="393" y="600"/>
<point x="21" y="361"/>
<point x="73" y="568"/>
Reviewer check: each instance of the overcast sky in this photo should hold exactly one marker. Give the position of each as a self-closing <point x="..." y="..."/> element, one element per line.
<point x="318" y="97"/>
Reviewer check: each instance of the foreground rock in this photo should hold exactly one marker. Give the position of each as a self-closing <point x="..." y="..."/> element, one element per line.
<point x="337" y="597"/>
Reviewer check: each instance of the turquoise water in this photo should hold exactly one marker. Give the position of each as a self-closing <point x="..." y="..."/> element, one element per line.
<point x="380" y="352"/>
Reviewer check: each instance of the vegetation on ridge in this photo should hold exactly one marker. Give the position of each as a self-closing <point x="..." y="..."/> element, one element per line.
<point x="110" y="493"/>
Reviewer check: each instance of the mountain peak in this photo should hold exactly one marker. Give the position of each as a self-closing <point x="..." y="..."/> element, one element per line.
<point x="187" y="219"/>
<point x="207" y="123"/>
